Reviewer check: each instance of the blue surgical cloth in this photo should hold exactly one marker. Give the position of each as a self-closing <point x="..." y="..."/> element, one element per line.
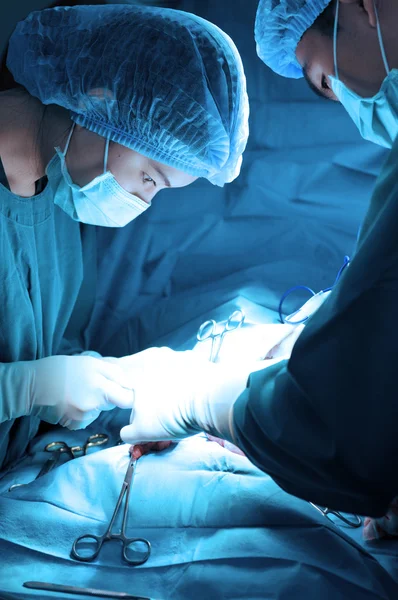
<point x="280" y="25"/>
<point x="219" y="528"/>
<point x="47" y="287"/>
<point x="162" y="82"/>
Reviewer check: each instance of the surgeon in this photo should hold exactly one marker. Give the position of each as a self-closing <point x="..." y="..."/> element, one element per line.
<point x="322" y="423"/>
<point x="347" y="50"/>
<point x="112" y="104"/>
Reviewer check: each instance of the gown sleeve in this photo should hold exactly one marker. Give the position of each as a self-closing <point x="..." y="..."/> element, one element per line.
<point x="324" y="424"/>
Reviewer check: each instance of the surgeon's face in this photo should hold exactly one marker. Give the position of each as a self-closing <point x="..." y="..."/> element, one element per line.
<point x="136" y="173"/>
<point x="359" y="58"/>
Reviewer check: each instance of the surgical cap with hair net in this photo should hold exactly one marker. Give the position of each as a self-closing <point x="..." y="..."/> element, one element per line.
<point x="280" y="25"/>
<point x="165" y="83"/>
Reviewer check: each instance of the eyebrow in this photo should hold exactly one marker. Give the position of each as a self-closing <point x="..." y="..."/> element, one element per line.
<point x="162" y="175"/>
<point x="313" y="87"/>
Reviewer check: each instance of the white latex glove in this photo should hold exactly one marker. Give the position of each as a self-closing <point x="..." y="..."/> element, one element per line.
<point x="178" y="394"/>
<point x="251" y="343"/>
<point x="283" y="348"/>
<point x="309" y="308"/>
<point x="70" y="390"/>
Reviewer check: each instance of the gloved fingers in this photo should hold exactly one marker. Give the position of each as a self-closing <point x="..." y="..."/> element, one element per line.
<point x="108" y="406"/>
<point x="114" y="372"/>
<point x="77" y="418"/>
<point x="116" y="395"/>
<point x="110" y="359"/>
<point x="130" y="435"/>
<point x="139" y="450"/>
<point x="252" y="343"/>
<point x="225" y="444"/>
<point x="149" y="424"/>
<point x="153" y="358"/>
<point x="92" y="353"/>
<point x="136" y="435"/>
<point x="284" y="346"/>
<point x="147" y="355"/>
<point x="79" y="421"/>
<point x="127" y="435"/>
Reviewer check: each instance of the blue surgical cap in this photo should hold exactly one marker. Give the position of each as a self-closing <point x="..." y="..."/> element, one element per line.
<point x="165" y="83"/>
<point x="280" y="25"/>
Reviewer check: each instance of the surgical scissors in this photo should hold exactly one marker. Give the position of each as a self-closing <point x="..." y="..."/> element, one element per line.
<point x="208" y="330"/>
<point x="90" y="544"/>
<point x="354" y="522"/>
<point x="57" y="448"/>
<point x="97" y="439"/>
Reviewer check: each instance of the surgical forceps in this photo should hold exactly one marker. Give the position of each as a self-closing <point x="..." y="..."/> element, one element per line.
<point x="90" y="544"/>
<point x="57" y="448"/>
<point x="208" y="330"/>
<point x="354" y="522"/>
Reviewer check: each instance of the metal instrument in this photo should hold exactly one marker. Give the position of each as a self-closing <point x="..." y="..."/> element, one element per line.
<point x="354" y="522"/>
<point x="58" y="448"/>
<point x="211" y="330"/>
<point x="97" y="439"/>
<point x="72" y="589"/>
<point x="135" y="551"/>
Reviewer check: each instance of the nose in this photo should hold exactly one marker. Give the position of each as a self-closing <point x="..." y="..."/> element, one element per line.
<point x="149" y="196"/>
<point x="144" y="195"/>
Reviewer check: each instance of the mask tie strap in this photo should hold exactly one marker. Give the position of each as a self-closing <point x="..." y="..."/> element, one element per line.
<point x="106" y="154"/>
<point x="68" y="140"/>
<point x="336" y="24"/>
<point x="382" y="49"/>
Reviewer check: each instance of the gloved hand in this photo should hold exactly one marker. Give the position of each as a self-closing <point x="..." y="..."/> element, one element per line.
<point x="225" y="444"/>
<point x="70" y="390"/>
<point x="252" y="343"/>
<point x="283" y="348"/>
<point x="178" y="394"/>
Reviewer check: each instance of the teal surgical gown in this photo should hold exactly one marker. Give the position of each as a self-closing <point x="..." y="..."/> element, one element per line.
<point x="324" y="424"/>
<point x="47" y="278"/>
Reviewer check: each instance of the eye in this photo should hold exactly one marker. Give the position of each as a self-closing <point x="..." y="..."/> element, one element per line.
<point x="147" y="179"/>
<point x="324" y="83"/>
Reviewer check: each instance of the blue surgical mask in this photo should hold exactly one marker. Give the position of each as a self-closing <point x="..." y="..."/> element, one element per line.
<point x="376" y="117"/>
<point x="102" y="202"/>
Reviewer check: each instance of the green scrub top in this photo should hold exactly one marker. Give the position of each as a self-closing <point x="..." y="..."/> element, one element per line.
<point x="324" y="424"/>
<point x="47" y="279"/>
